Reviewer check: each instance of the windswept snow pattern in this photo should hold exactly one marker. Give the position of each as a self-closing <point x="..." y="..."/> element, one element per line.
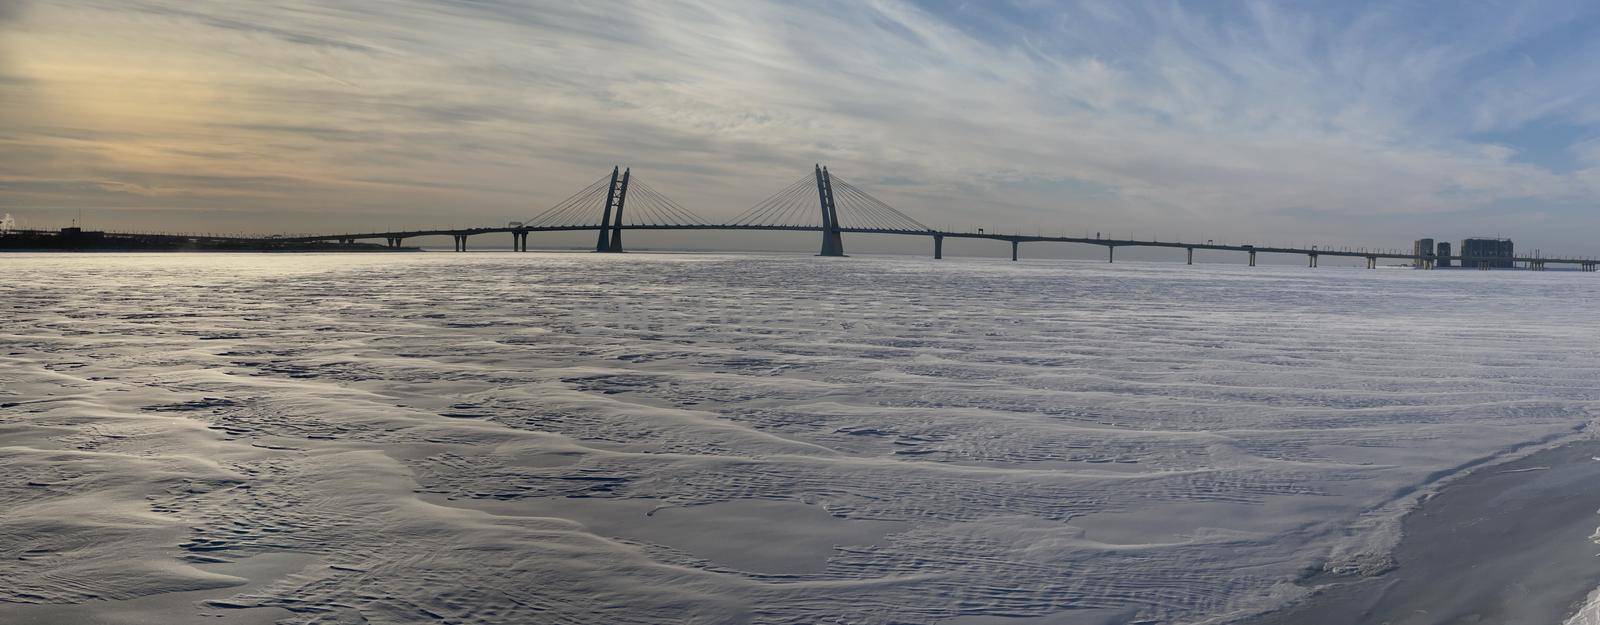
<point x="575" y="438"/>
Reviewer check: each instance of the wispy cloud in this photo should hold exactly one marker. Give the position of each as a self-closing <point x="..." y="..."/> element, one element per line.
<point x="1348" y="120"/>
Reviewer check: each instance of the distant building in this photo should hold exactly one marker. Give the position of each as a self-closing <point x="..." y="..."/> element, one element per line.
<point x="1443" y="254"/>
<point x="1423" y="250"/>
<point x="1496" y="253"/>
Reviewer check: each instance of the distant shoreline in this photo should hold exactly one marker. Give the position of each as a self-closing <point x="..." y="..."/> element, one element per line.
<point x="269" y="250"/>
<point x="102" y="242"/>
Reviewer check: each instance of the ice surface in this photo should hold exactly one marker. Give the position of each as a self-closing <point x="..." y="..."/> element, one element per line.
<point x="576" y="438"/>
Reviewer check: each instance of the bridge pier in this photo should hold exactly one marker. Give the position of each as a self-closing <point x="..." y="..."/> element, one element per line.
<point x="1252" y="258"/>
<point x="1372" y="262"/>
<point x="1191" y="256"/>
<point x="616" y="225"/>
<point x="603" y="244"/>
<point x="461" y="242"/>
<point x="832" y="243"/>
<point x="1111" y="253"/>
<point x="519" y="241"/>
<point x="1311" y="260"/>
<point x="1014" y="244"/>
<point x="938" y="246"/>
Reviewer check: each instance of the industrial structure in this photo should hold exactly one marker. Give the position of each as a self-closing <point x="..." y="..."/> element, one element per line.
<point x="1491" y="252"/>
<point x="1476" y="253"/>
<point x="1424" y="251"/>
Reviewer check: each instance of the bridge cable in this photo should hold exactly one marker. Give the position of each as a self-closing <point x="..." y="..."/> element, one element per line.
<point x="662" y="208"/>
<point x="572" y="207"/>
<point x="783" y="207"/>
<point x="772" y="209"/>
<point x="878" y="209"/>
<point x="879" y="218"/>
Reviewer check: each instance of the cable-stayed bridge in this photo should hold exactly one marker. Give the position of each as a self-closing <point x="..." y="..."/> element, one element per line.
<point x="823" y="203"/>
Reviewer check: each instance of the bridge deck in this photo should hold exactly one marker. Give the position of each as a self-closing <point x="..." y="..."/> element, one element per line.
<point x="1018" y="238"/>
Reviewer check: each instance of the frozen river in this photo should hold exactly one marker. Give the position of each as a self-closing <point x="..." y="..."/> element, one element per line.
<point x="580" y="438"/>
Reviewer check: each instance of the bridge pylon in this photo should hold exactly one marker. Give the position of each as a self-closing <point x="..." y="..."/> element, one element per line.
<point x="832" y="242"/>
<point x="616" y="226"/>
<point x="611" y="226"/>
<point x="841" y="206"/>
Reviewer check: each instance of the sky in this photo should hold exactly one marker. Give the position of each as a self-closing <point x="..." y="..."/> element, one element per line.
<point x="1339" y="123"/>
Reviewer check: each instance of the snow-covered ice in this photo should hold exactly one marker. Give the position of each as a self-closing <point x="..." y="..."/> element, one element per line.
<point x="578" y="438"/>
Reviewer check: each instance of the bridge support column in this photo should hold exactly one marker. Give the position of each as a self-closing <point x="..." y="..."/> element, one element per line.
<point x="1252" y="258"/>
<point x="1014" y="244"/>
<point x="519" y="241"/>
<point x="1311" y="260"/>
<point x="1372" y="262"/>
<point x="616" y="226"/>
<point x="603" y="244"/>
<point x="832" y="243"/>
<point x="461" y="242"/>
<point x="938" y="246"/>
<point x="1111" y="253"/>
<point x="1191" y="256"/>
